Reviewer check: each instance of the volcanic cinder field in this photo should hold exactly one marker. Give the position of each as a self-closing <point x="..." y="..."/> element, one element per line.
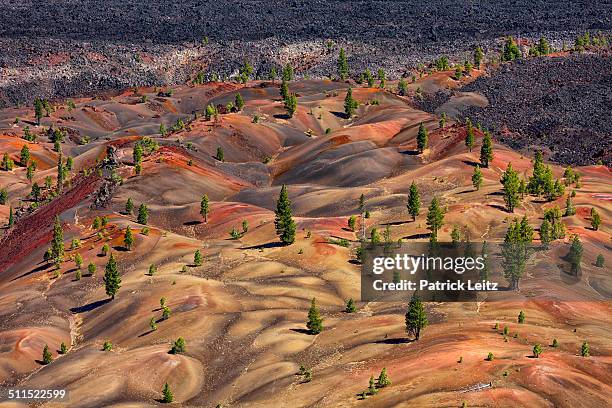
<point x="242" y="312"/>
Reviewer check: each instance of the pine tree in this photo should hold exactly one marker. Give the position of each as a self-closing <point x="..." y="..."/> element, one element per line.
<point x="361" y="203"/>
<point x="521" y="317"/>
<point x="599" y="262"/>
<point x="514" y="251"/>
<point x="137" y="153"/>
<point x="368" y="77"/>
<point x="204" y="207"/>
<point x="350" y="306"/>
<point x="57" y="244"/>
<point x="283" y="220"/>
<point x="47" y="357"/>
<point x="3" y="196"/>
<point x="291" y="104"/>
<point x="350" y="104"/>
<point x="484" y="253"/>
<point x="372" y="386"/>
<point x="35" y="193"/>
<point x="152" y="270"/>
<point x="220" y="155"/>
<point x="442" y="120"/>
<point x="315" y="322"/>
<point x="197" y="258"/>
<point x="11" y="219"/>
<point x="143" y="214"/>
<point x="128" y="238"/>
<point x="522" y="188"/>
<point x="575" y="254"/>
<point x="478" y="57"/>
<point x="477" y="178"/>
<point x="91" y="268"/>
<point x="416" y="319"/>
<point x="112" y="279"/>
<point x="343" y="68"/>
<point x="284" y="90"/>
<point x="486" y="150"/>
<point x="352" y="222"/>
<point x="595" y="219"/>
<point x="570" y="209"/>
<point x="129" y="206"/>
<point x="382" y="78"/>
<point x="545" y="233"/>
<point x="30" y="171"/>
<point x="414" y="201"/>
<point x="374" y="236"/>
<point x="210" y="112"/>
<point x="38" y="110"/>
<point x="455" y="235"/>
<point x="469" y="137"/>
<point x="511" y="50"/>
<point x="178" y="347"/>
<point x="273" y="74"/>
<point x="383" y="379"/>
<point x="7" y="162"/>
<point x="435" y="218"/>
<point x="168" y="397"/>
<point x="511" y="183"/>
<point x="536" y="182"/>
<point x="63" y="348"/>
<point x="78" y="260"/>
<point x="402" y="87"/>
<point x="537" y="350"/>
<point x="288" y="73"/>
<point x="585" y="350"/>
<point x="543" y="47"/>
<point x="61" y="174"/>
<point x="422" y="138"/>
<point x="24" y="156"/>
<point x="239" y="102"/>
<point x="162" y="129"/>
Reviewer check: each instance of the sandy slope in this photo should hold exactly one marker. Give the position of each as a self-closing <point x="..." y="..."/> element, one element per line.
<point x="243" y="311"/>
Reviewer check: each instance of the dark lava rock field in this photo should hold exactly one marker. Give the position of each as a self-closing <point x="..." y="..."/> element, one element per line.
<point x="562" y="105"/>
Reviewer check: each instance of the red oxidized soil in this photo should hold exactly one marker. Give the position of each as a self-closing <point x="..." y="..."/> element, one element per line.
<point x="35" y="230"/>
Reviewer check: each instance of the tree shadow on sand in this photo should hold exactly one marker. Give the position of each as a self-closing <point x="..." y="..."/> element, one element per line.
<point x="470" y="163"/>
<point x="417" y="236"/>
<point x="301" y="331"/>
<point x="341" y="115"/>
<point x="146" y="333"/>
<point x="90" y="306"/>
<point x="410" y="152"/>
<point x="498" y="207"/>
<point x="396" y="340"/>
<point x="40" y="268"/>
<point x="394" y="223"/>
<point x="267" y="245"/>
<point x="192" y="223"/>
